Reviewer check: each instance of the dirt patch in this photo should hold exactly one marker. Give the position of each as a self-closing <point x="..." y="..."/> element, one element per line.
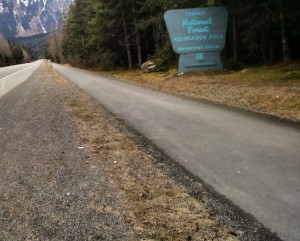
<point x="270" y="90"/>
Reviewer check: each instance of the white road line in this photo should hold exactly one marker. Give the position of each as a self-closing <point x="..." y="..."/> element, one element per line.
<point x="4" y="79"/>
<point x="31" y="66"/>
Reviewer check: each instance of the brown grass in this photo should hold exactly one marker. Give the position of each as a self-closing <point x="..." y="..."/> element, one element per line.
<point x="272" y="90"/>
<point x="158" y="207"/>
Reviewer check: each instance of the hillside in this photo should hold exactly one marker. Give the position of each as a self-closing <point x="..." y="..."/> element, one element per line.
<point x="12" y="53"/>
<point x="37" y="43"/>
<point x="21" y="18"/>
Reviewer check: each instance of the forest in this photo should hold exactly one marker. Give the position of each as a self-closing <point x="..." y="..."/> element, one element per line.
<point x="12" y="53"/>
<point x="124" y="33"/>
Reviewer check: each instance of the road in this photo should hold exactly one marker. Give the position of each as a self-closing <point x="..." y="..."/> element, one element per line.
<point x="14" y="75"/>
<point x="253" y="161"/>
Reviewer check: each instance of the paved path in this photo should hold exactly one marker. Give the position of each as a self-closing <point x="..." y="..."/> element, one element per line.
<point x="253" y="161"/>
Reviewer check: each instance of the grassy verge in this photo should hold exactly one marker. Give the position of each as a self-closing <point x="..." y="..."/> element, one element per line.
<point x="272" y="90"/>
<point x="158" y="208"/>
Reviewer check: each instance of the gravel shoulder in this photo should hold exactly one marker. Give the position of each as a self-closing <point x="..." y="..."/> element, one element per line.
<point x="50" y="188"/>
<point x="67" y="173"/>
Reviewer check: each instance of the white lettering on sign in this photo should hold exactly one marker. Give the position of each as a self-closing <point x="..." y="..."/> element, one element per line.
<point x="190" y="38"/>
<point x="194" y="22"/>
<point x="196" y="13"/>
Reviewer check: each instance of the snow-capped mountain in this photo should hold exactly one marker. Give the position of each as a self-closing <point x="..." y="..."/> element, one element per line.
<point x="22" y="18"/>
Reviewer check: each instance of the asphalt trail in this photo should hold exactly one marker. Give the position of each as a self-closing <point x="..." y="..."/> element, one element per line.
<point x="254" y="161"/>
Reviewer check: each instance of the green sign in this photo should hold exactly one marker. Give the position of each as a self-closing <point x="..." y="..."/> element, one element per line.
<point x="191" y="62"/>
<point x="194" y="32"/>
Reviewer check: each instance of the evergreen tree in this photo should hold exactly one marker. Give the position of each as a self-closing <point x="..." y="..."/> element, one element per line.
<point x="124" y="33"/>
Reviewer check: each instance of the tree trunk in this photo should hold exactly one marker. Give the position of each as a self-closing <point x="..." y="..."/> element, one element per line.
<point x="137" y="36"/>
<point x="269" y="40"/>
<point x="156" y="44"/>
<point x="271" y="52"/>
<point x="128" y="50"/>
<point x="284" y="38"/>
<point x="235" y="43"/>
<point x="146" y="45"/>
<point x="262" y="44"/>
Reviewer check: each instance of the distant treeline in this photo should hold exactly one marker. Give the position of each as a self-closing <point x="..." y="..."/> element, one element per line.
<point x="125" y="33"/>
<point x="12" y="53"/>
<point x="36" y="43"/>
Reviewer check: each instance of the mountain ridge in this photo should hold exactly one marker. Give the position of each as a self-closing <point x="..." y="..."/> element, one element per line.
<point x="24" y="18"/>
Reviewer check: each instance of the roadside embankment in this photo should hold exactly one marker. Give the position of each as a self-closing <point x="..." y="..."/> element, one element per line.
<point x="271" y="90"/>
